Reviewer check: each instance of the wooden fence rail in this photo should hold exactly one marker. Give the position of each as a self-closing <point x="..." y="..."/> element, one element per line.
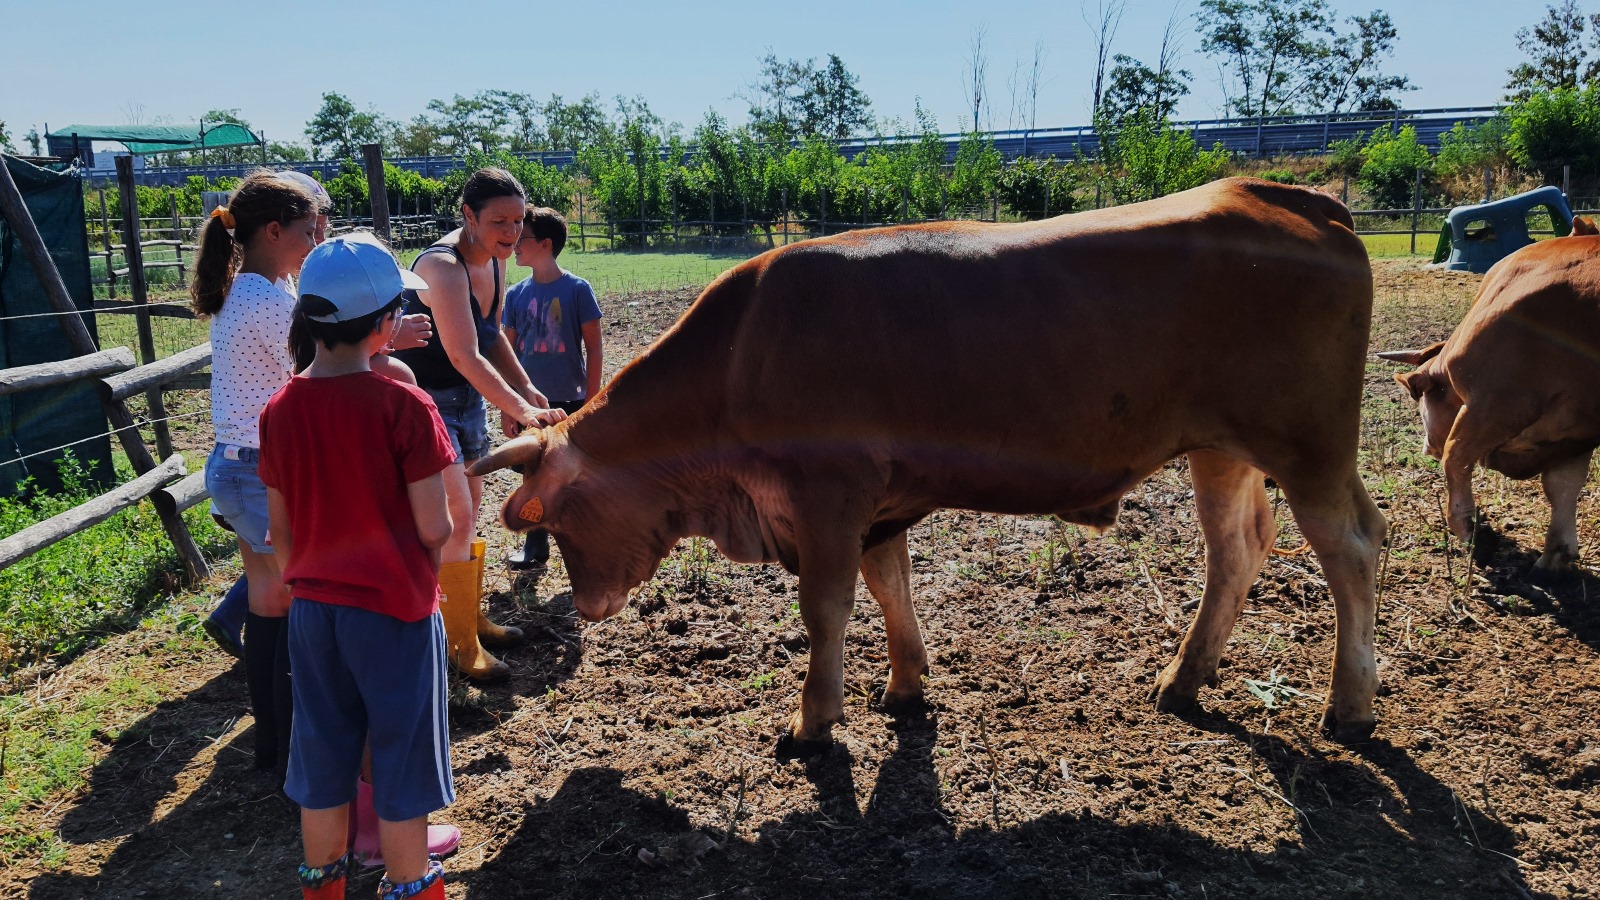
<point x="34" y="538"/>
<point x="43" y="375"/>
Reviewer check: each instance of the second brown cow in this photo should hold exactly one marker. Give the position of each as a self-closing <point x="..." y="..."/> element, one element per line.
<point x="1516" y="387"/>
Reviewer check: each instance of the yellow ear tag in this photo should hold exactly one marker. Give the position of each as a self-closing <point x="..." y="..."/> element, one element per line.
<point x="532" y="511"/>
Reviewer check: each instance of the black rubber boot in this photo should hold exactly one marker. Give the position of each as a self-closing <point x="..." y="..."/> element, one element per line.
<point x="535" y="553"/>
<point x="262" y="636"/>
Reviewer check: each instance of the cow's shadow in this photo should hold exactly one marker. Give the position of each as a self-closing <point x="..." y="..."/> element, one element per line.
<point x="1571" y="598"/>
<point x="587" y="839"/>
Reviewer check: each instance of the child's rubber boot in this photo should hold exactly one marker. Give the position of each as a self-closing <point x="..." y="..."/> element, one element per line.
<point x="326" y="882"/>
<point x="442" y="839"/>
<point x="428" y="887"/>
<point x="459" y="606"/>
<point x="492" y="635"/>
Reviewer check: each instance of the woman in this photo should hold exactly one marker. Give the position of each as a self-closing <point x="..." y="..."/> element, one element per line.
<point x="470" y="362"/>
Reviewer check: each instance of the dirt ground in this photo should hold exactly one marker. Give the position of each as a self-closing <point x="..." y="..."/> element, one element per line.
<point x="636" y="757"/>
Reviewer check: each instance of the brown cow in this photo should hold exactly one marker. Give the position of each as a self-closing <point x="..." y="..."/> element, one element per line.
<point x="818" y="400"/>
<point x="1517" y="385"/>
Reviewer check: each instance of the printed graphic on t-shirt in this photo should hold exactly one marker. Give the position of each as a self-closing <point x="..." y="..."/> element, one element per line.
<point x="548" y="336"/>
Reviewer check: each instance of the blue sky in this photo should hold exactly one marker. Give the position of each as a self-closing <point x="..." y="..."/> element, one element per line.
<point x="99" y="62"/>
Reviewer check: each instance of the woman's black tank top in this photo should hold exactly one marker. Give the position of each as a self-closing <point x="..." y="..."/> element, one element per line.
<point x="430" y="362"/>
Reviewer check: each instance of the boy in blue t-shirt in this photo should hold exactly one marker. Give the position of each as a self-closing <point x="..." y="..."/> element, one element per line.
<point x="553" y="322"/>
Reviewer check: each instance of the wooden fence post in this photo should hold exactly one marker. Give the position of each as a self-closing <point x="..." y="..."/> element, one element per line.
<point x="372" y="156"/>
<point x="16" y="213"/>
<point x="1416" y="209"/>
<point x="177" y="235"/>
<point x="105" y="234"/>
<point x="133" y="251"/>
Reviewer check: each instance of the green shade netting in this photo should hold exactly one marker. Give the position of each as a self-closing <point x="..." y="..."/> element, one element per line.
<point x="142" y="140"/>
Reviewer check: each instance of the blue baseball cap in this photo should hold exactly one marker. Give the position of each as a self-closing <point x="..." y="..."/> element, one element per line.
<point x="357" y="274"/>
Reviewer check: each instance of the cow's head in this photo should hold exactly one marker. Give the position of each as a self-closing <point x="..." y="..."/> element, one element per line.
<point x="1430" y="386"/>
<point x="612" y="528"/>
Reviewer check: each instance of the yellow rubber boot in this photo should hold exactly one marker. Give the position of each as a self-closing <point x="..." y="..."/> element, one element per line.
<point x="490" y="634"/>
<point x="459" y="608"/>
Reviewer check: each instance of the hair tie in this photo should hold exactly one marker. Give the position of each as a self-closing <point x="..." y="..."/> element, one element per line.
<point x="222" y="213"/>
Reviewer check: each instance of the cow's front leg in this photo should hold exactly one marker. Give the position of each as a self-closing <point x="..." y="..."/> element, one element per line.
<point x="886" y="569"/>
<point x="827" y="595"/>
<point x="1563" y="482"/>
<point x="1239" y="530"/>
<point x="1469" y="441"/>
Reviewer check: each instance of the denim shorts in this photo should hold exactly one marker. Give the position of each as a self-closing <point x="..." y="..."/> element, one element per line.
<point x="464" y="417"/>
<point x="237" y="493"/>
<point x="363" y="677"/>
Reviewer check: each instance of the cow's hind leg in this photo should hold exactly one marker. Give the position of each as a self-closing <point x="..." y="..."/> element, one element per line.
<point x="886" y="569"/>
<point x="1346" y="531"/>
<point x="1239" y="531"/>
<point x="1563" y="482"/>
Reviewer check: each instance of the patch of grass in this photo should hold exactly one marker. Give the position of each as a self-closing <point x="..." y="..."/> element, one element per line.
<point x="1383" y="246"/>
<point x="758" y="683"/>
<point x="617" y="273"/>
<point x="63" y="599"/>
<point x="52" y="745"/>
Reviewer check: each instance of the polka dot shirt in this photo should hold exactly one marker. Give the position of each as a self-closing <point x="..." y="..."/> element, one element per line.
<point x="250" y="357"/>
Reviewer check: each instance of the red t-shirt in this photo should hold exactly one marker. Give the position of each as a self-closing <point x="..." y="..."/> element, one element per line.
<point x="341" y="450"/>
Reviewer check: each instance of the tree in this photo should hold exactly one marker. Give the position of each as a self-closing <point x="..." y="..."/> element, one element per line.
<point x="1556" y="128"/>
<point x="573" y="126"/>
<point x="777" y="97"/>
<point x="35" y="142"/>
<point x="1351" y="78"/>
<point x="467" y="123"/>
<point x="1104" y="25"/>
<point x="418" y="137"/>
<point x="976" y="75"/>
<point x="1271" y="50"/>
<point x="1555" y="53"/>
<point x="520" y="112"/>
<point x="338" y="129"/>
<point x="1389" y="168"/>
<point x="1134" y="86"/>
<point x="833" y="105"/>
<point x="5" y="139"/>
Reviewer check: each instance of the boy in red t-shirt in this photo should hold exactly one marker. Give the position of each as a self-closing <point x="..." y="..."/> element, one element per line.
<point x="357" y="511"/>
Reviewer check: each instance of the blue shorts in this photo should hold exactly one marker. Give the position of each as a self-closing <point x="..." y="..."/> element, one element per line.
<point x="360" y="677"/>
<point x="464" y="417"/>
<point x="237" y="493"/>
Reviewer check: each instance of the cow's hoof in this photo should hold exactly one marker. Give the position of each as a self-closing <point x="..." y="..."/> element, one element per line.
<point x="1170" y="699"/>
<point x="1346" y="732"/>
<point x="790" y="747"/>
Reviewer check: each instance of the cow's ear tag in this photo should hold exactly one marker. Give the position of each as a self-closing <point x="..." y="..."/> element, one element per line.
<point x="532" y="511"/>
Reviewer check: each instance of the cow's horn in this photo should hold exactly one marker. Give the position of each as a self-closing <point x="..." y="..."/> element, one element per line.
<point x="525" y="451"/>
<point x="1409" y="357"/>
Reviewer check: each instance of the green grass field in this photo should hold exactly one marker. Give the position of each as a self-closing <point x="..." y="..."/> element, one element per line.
<point x="616" y="273"/>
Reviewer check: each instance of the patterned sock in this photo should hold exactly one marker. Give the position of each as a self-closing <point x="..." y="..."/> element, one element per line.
<point x="388" y="890"/>
<point x="316" y="876"/>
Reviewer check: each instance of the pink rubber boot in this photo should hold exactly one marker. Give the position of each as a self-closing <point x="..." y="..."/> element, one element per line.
<point x="442" y="839"/>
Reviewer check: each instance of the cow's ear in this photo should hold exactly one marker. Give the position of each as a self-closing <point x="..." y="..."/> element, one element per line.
<point x="524" y="452"/>
<point x="1417" y="382"/>
<point x="1581" y="225"/>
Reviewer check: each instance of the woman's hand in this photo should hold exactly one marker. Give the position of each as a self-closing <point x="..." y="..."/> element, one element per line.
<point x="415" y="331"/>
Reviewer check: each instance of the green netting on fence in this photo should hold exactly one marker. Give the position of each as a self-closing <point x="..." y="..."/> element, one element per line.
<point x="69" y="416"/>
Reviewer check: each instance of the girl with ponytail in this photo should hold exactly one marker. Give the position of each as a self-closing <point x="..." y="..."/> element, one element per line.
<point x="248" y="251"/>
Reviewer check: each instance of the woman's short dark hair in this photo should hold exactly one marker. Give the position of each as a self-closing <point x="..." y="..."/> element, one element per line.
<point x="488" y="183"/>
